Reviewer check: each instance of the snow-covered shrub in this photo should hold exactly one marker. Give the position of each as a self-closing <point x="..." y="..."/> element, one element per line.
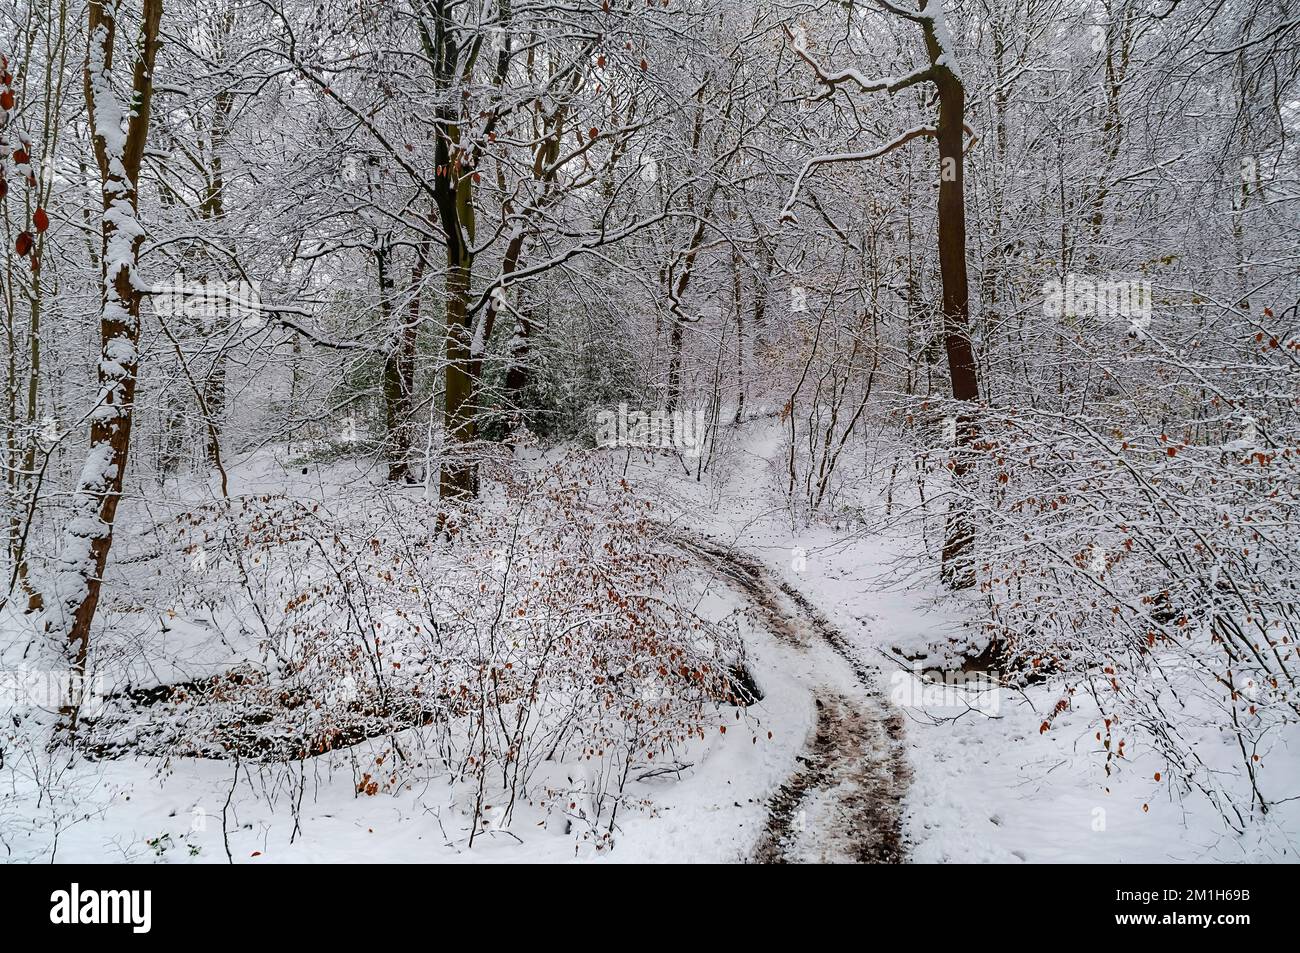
<point x="833" y="380"/>
<point x="536" y="626"/>
<point x="1143" y="549"/>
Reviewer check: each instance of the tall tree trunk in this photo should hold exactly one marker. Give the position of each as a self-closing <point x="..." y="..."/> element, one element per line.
<point x="89" y="534"/>
<point x="945" y="73"/>
<point x="956" y="287"/>
<point x="459" y="478"/>
<point x="214" y="210"/>
<point x="454" y="198"/>
<point x="738" y="305"/>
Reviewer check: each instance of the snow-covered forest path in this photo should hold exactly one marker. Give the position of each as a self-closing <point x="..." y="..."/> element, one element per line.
<point x="844" y="802"/>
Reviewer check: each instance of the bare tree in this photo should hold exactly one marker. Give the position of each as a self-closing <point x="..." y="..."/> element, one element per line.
<point x="949" y="133"/>
<point x="120" y="130"/>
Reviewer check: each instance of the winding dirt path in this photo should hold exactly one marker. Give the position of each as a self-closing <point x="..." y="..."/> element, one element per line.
<point x="844" y="802"/>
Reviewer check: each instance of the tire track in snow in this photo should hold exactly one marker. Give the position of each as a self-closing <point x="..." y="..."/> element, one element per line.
<point x="854" y="773"/>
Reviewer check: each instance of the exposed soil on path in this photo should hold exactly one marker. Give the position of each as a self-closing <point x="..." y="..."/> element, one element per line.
<point x="844" y="803"/>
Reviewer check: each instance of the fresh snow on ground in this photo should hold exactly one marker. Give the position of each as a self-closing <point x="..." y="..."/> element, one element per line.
<point x="988" y="789"/>
<point x="985" y="786"/>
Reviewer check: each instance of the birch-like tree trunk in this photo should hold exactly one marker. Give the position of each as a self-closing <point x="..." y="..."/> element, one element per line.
<point x="119" y="130"/>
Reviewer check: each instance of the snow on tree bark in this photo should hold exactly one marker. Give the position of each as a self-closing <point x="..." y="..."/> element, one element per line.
<point x="120" y="132"/>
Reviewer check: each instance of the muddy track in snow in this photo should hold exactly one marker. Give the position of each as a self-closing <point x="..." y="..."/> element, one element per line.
<point x="844" y="803"/>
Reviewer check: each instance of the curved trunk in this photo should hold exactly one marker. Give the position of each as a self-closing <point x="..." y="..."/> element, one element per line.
<point x="89" y="534"/>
